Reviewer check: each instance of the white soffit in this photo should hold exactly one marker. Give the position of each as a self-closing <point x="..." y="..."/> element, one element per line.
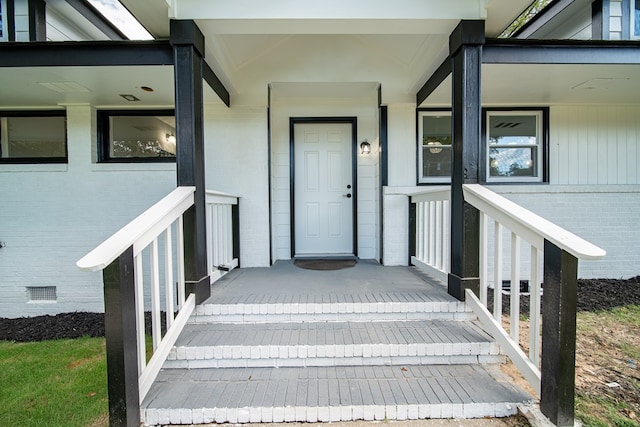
<point x="328" y="16"/>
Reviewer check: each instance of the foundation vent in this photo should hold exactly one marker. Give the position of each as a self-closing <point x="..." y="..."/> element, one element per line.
<point x="42" y="293"/>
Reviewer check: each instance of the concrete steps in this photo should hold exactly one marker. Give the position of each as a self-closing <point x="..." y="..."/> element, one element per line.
<point x="310" y="360"/>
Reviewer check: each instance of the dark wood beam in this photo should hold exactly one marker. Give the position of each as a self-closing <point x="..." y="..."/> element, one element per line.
<point x="436" y="79"/>
<point x="214" y="83"/>
<point x="500" y="51"/>
<point x="87" y="54"/>
<point x="37" y="20"/>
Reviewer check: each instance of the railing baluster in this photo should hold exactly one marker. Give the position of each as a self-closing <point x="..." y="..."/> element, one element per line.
<point x="210" y="211"/>
<point x="497" y="273"/>
<point x="534" y="307"/>
<point x="425" y="236"/>
<point x="419" y="231"/>
<point x="515" y="288"/>
<point x="168" y="276"/>
<point x="438" y="235"/>
<point x="180" y="247"/>
<point x="155" y="295"/>
<point x="432" y="233"/>
<point x="140" y="323"/>
<point x="446" y="233"/>
<point x="484" y="280"/>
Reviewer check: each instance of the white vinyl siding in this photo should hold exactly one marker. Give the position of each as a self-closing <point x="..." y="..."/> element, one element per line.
<point x="596" y="145"/>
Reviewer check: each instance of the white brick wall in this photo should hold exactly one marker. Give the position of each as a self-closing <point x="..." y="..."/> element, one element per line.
<point x="237" y="163"/>
<point x="51" y="215"/>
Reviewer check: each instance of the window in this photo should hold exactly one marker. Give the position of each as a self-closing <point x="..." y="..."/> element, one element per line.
<point x="434" y="146"/>
<point x="3" y="20"/>
<point x="33" y="137"/>
<point x="136" y="136"/>
<point x="515" y="146"/>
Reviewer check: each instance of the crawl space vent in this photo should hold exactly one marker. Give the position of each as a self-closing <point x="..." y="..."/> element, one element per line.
<point x="42" y="293"/>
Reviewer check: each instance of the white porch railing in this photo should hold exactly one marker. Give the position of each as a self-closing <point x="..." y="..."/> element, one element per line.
<point x="140" y="257"/>
<point x="221" y="211"/>
<point x="432" y="249"/>
<point x="433" y="233"/>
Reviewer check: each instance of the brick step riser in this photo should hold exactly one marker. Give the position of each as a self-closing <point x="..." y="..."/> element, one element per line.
<point x="334" y="361"/>
<point x="359" y="309"/>
<point x="162" y="416"/>
<point x="328" y="317"/>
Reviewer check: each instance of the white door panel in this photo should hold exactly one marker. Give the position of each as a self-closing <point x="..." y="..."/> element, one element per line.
<point x="323" y="214"/>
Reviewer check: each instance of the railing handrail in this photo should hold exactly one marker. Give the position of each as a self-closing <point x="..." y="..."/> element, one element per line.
<point x="221" y="197"/>
<point x="441" y="192"/>
<point x="528" y="225"/>
<point x="156" y="218"/>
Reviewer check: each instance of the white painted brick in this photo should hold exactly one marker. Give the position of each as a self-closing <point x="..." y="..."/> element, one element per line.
<point x="164" y="416"/>
<point x="403" y="350"/>
<point x="312" y="414"/>
<point x="324" y="414"/>
<point x="346" y="413"/>
<point x="446" y="411"/>
<point x="232" y="415"/>
<point x="357" y="412"/>
<point x="334" y="413"/>
<point x="208" y="352"/>
<point x="369" y="413"/>
<point x="227" y="352"/>
<point x="255" y="415"/>
<point x="283" y="352"/>
<point x="181" y="353"/>
<point x="151" y="416"/>
<point x="505" y="409"/>
<point x="190" y="353"/>
<point x="243" y="415"/>
<point x="208" y="415"/>
<point x="385" y="350"/>
<point x="391" y="412"/>
<point x="376" y="350"/>
<point x="199" y="353"/>
<point x="267" y="415"/>
<point x="448" y="349"/>
<point x="174" y="416"/>
<point x="197" y="416"/>
<point x="457" y="410"/>
<point x="215" y="309"/>
<point x="292" y="308"/>
<point x="255" y="352"/>
<point x="402" y="412"/>
<point x="242" y="352"/>
<point x="349" y="350"/>
<point x="264" y="309"/>
<point x="221" y="415"/>
<point x="424" y="411"/>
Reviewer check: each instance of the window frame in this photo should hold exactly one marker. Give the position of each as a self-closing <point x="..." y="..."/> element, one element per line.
<point x="543" y="145"/>
<point x="632" y="20"/>
<point x="421" y="179"/>
<point x="37" y="160"/>
<point x="104" y="140"/>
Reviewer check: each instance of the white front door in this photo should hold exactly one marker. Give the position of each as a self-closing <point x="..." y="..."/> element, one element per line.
<point x="323" y="189"/>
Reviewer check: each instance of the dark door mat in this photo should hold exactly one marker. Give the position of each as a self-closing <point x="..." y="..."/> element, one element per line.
<point x="324" y="264"/>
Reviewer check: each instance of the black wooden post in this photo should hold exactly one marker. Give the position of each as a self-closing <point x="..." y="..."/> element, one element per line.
<point x="188" y="51"/>
<point x="557" y="392"/>
<point x="235" y="224"/>
<point x="412" y="229"/>
<point x="121" y="339"/>
<point x="37" y="20"/>
<point x="465" y="45"/>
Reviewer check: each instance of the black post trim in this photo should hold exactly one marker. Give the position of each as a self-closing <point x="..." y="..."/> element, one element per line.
<point x="235" y="219"/>
<point x="596" y="20"/>
<point x="269" y="182"/>
<point x="557" y="395"/>
<point x="11" y="21"/>
<point x="412" y="228"/>
<point x="37" y="20"/>
<point x="466" y="50"/>
<point x="626" y="20"/>
<point x="384" y="170"/>
<point x="121" y="341"/>
<point x="188" y="43"/>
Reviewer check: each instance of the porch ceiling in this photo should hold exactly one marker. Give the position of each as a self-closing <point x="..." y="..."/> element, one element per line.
<point x="98" y="86"/>
<point x="251" y="43"/>
<point x="545" y="84"/>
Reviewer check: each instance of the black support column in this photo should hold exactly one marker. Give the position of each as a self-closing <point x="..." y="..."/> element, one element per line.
<point x="557" y="394"/>
<point x="188" y="51"/>
<point x="37" y="20"/>
<point x="465" y="45"/>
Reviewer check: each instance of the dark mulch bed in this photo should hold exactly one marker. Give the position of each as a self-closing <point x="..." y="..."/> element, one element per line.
<point x="593" y="295"/>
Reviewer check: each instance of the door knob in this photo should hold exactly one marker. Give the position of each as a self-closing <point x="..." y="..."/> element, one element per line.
<point x="349" y="187"/>
<point x="348" y="195"/>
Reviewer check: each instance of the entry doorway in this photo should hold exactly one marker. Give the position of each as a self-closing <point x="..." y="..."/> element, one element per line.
<point x="323" y="187"/>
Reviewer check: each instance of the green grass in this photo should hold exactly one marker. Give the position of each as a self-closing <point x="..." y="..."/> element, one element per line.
<point x="616" y="345"/>
<point x="53" y="383"/>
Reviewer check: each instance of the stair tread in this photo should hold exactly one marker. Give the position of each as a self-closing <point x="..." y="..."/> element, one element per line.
<point x="464" y="388"/>
<point x="332" y="333"/>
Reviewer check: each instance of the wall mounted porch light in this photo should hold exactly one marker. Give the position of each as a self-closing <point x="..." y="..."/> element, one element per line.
<point x="365" y="147"/>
